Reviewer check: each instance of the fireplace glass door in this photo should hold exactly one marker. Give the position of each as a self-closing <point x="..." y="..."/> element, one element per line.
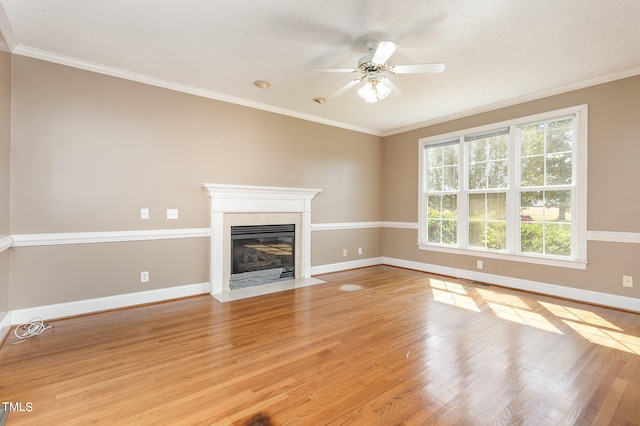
<point x="261" y="254"/>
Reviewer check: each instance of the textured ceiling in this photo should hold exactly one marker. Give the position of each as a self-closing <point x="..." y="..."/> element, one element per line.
<point x="497" y="52"/>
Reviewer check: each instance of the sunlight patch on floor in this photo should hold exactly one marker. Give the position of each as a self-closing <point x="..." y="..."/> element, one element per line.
<point x="503" y="299"/>
<point x="578" y="315"/>
<point x="608" y="338"/>
<point x="523" y="316"/>
<point x="448" y="286"/>
<point x="455" y="299"/>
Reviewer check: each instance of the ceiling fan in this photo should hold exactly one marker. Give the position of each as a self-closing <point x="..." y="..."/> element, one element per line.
<point x="373" y="68"/>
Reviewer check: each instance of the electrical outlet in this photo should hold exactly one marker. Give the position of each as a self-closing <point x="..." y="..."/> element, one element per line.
<point x="144" y="277"/>
<point x="144" y="213"/>
<point x="359" y="250"/>
<point x="344" y="252"/>
<point x="479" y="264"/>
<point x="627" y="281"/>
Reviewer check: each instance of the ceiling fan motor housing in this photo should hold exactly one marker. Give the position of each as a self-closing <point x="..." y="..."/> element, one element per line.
<point x="365" y="65"/>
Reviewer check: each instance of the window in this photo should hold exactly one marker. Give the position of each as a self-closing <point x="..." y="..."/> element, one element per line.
<point x="513" y="190"/>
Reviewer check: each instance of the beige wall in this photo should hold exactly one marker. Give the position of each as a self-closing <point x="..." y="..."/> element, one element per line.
<point x="613" y="189"/>
<point x="89" y="150"/>
<point x="5" y="136"/>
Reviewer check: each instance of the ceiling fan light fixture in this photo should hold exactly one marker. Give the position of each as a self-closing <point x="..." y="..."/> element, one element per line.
<point x="373" y="91"/>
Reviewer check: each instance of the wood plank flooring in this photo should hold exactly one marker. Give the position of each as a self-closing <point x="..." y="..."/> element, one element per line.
<point x="373" y="346"/>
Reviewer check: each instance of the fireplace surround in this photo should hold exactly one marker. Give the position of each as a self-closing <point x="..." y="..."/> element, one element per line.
<point x="243" y="205"/>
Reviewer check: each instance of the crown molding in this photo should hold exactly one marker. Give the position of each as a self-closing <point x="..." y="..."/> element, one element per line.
<point x="516" y="101"/>
<point x="69" y="61"/>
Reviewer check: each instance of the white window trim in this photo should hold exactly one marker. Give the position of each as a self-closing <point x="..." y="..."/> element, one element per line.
<point x="578" y="213"/>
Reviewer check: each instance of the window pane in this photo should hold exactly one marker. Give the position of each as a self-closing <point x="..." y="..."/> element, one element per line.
<point x="476" y="206"/>
<point x="488" y="220"/>
<point x="547" y="153"/>
<point x="434" y="231"/>
<point x="531" y="206"/>
<point x="557" y="239"/>
<point x="497" y="235"/>
<point x="450" y="178"/>
<point x="497" y="206"/>
<point x="560" y="136"/>
<point x="434" y="157"/>
<point x="478" y="151"/>
<point x="434" y="179"/>
<point x="532" y="171"/>
<point x="442" y="167"/>
<point x="559" y="169"/>
<point x="531" y="237"/>
<point x="434" y="203"/>
<point x="449" y="231"/>
<point x="531" y="142"/>
<point x="449" y="204"/>
<point x="545" y="222"/>
<point x="497" y="148"/>
<point x="497" y="176"/>
<point x="557" y="206"/>
<point x="488" y="164"/>
<point x="476" y="234"/>
<point x="450" y="155"/>
<point x="442" y="219"/>
<point x="477" y="176"/>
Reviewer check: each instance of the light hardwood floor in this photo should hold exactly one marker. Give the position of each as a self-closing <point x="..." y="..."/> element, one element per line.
<point x="404" y="347"/>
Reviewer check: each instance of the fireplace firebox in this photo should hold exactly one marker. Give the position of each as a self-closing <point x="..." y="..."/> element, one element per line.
<point x="261" y="254"/>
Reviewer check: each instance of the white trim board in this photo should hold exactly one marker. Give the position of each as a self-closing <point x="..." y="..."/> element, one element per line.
<point x="5" y="326"/>
<point x="69" y="309"/>
<point x="614" y="237"/>
<point x="344" y="225"/>
<point x="44" y="239"/>
<point x="580" y="295"/>
<point x="6" y="243"/>
<point x="344" y="266"/>
<point x="51" y="239"/>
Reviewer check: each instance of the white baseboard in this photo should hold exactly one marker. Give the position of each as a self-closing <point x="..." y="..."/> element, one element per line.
<point x="61" y="310"/>
<point x="5" y="326"/>
<point x="588" y="296"/>
<point x="343" y="266"/>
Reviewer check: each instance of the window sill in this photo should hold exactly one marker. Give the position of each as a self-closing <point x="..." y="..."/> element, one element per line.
<point x="548" y="261"/>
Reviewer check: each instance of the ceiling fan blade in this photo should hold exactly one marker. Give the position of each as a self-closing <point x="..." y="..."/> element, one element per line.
<point x="345" y="70"/>
<point x="394" y="89"/>
<point x="344" y="88"/>
<point x="383" y="52"/>
<point x="417" y="68"/>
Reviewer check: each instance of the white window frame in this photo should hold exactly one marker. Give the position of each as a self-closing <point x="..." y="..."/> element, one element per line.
<point x="578" y="260"/>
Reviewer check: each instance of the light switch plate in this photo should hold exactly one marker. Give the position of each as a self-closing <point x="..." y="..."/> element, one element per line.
<point x="172" y="213"/>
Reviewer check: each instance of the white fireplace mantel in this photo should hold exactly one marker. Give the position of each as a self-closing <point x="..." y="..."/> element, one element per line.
<point x="227" y="199"/>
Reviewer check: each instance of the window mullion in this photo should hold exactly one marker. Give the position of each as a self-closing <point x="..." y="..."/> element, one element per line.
<point x="513" y="192"/>
<point x="463" y="195"/>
